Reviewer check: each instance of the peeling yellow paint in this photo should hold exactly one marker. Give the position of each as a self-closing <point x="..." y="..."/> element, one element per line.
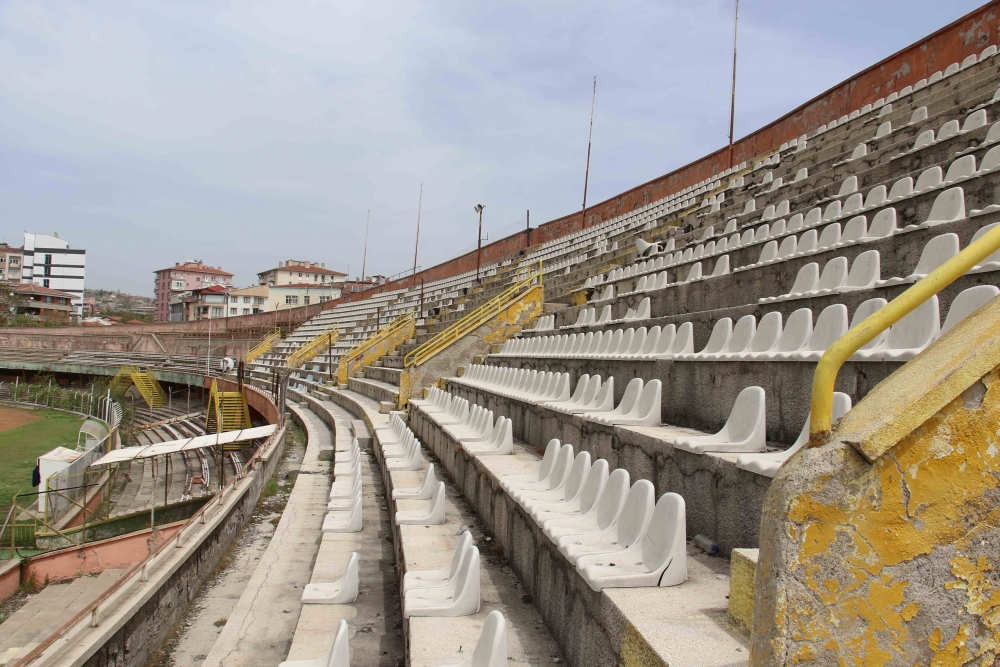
<point x="934" y="492"/>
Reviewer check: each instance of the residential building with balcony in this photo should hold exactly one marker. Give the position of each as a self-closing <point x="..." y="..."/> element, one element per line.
<point x="11" y="262"/>
<point x="180" y="278"/>
<point x="296" y="272"/>
<point x="249" y="300"/>
<point x="45" y="304"/>
<point x="207" y="303"/>
<point x="50" y="262"/>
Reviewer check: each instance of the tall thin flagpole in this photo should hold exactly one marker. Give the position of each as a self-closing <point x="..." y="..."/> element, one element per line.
<point x="732" y="99"/>
<point x="364" y="260"/>
<point x="416" y="244"/>
<point x="590" y="137"/>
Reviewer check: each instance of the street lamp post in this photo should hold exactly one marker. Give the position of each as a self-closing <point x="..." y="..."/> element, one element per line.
<point x="479" y="241"/>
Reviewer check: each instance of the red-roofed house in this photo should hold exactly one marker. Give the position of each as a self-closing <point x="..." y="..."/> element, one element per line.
<point x="182" y="278"/>
<point x="45" y="303"/>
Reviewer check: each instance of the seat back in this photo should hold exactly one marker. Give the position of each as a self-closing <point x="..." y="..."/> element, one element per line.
<point x="631" y="396"/>
<point x="597" y="480"/>
<point x="806" y="279"/>
<point x="560" y="469"/>
<point x="883" y="224"/>
<point x="797" y="331"/>
<point x="743" y="334"/>
<point x="549" y="457"/>
<point x="967" y="302"/>
<point x="864" y="311"/>
<point x="767" y="334"/>
<point x="636" y="514"/>
<point x="666" y="536"/>
<point x="768" y="252"/>
<point x="834" y="274"/>
<point x="747" y="412"/>
<point x="829" y="237"/>
<point x="830" y="325"/>
<point x="577" y="475"/>
<point x="491" y="649"/>
<point x="340" y="652"/>
<point x="721" y="333"/>
<point x="612" y="501"/>
<point x="684" y="340"/>
<point x="937" y="251"/>
<point x="918" y="328"/>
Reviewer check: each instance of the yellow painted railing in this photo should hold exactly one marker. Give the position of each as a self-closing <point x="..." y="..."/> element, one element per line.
<point x="474" y="319"/>
<point x="400" y="329"/>
<point x="309" y="350"/>
<point x="263" y="346"/>
<point x="829" y="365"/>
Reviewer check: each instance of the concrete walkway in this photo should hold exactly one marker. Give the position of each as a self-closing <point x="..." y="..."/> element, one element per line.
<point x="261" y="626"/>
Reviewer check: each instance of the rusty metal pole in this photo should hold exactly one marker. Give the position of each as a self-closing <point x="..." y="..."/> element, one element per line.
<point x="479" y="242"/>
<point x="586" y="174"/>
<point x="416" y="244"/>
<point x="732" y="99"/>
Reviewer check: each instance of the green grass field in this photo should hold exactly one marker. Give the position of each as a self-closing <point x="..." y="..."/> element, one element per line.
<point x="20" y="446"/>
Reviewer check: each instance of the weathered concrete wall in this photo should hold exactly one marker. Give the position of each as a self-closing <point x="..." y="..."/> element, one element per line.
<point x="879" y="547"/>
<point x="133" y="643"/>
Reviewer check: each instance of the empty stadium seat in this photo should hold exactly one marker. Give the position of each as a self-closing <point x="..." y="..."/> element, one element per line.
<point x="339" y="654"/>
<point x="432" y="515"/>
<point x="338" y="592"/>
<point x="744" y="431"/>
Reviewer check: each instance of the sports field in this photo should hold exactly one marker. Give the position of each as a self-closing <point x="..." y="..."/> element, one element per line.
<point x="24" y="436"/>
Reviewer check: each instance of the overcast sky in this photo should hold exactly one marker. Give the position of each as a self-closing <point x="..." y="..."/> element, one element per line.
<point x="244" y="133"/>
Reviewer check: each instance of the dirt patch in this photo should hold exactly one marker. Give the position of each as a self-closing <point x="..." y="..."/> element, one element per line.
<point x="12" y="418"/>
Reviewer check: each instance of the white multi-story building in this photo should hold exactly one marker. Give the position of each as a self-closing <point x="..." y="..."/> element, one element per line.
<point x="50" y="262"/>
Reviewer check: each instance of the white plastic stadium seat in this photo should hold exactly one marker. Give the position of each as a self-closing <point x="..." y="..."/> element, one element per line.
<point x="744" y="431"/>
<point x="432" y="515"/>
<point x="338" y="592"/>
<point x="339" y="654"/>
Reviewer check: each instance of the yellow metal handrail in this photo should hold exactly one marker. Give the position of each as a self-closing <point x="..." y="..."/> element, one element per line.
<point x="821" y="419"/>
<point x="310" y="349"/>
<point x="263" y="346"/>
<point x="404" y="321"/>
<point x="473" y="320"/>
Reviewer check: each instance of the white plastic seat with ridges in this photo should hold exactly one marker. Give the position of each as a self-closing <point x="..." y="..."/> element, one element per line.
<point x="795" y="334"/>
<point x="907" y="337"/>
<point x="338" y="592"/>
<point x="459" y="597"/>
<point x="629" y="398"/>
<point x="555" y="477"/>
<point x="339" y="654"/>
<point x="434" y="578"/>
<point x="739" y="341"/>
<point x="344" y="502"/>
<point x="605" y="512"/>
<point x="645" y="411"/>
<point x="602" y="401"/>
<point x="717" y="341"/>
<point x="423" y="491"/>
<point x="658" y="559"/>
<point x="344" y="522"/>
<point x="765" y="337"/>
<point x="501" y="444"/>
<point x="682" y="343"/>
<point x="585" y="391"/>
<point x="491" y="649"/>
<point x="411" y="459"/>
<point x="544" y="467"/>
<point x="806" y="281"/>
<point x="628" y="529"/>
<point x="348" y="486"/>
<point x="570" y="488"/>
<point x="967" y="302"/>
<point x="432" y="515"/>
<point x="768" y="464"/>
<point x="991" y="263"/>
<point x="937" y="251"/>
<point x="582" y="503"/>
<point x="833" y="277"/>
<point x="830" y="325"/>
<point x="744" y="431"/>
<point x="480" y="425"/>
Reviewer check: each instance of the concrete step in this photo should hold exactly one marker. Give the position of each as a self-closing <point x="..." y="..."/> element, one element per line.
<point x="374" y="389"/>
<point x="383" y="374"/>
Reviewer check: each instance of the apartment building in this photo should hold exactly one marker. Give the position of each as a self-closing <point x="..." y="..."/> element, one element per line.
<point x="50" y="262"/>
<point x="11" y="261"/>
<point x="184" y="277"/>
<point x="296" y="272"/>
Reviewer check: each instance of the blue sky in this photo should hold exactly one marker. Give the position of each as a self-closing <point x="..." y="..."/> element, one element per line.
<point x="244" y="133"/>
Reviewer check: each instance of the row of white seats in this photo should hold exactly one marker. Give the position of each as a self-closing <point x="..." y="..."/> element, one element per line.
<point x="865" y="271"/>
<point x="472" y="425"/>
<point x="454" y="591"/>
<point x="770" y="340"/>
<point x="640" y="404"/>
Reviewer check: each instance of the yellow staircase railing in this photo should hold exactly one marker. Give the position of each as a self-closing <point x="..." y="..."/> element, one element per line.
<point x="821" y="420"/>
<point x="263" y="346"/>
<point x="381" y="343"/>
<point x="227" y="411"/>
<point x="474" y="319"/>
<point x="144" y="381"/>
<point x="308" y="350"/>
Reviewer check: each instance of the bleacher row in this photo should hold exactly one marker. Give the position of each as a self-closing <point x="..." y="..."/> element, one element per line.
<point x="684" y="358"/>
<point x="358" y="320"/>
